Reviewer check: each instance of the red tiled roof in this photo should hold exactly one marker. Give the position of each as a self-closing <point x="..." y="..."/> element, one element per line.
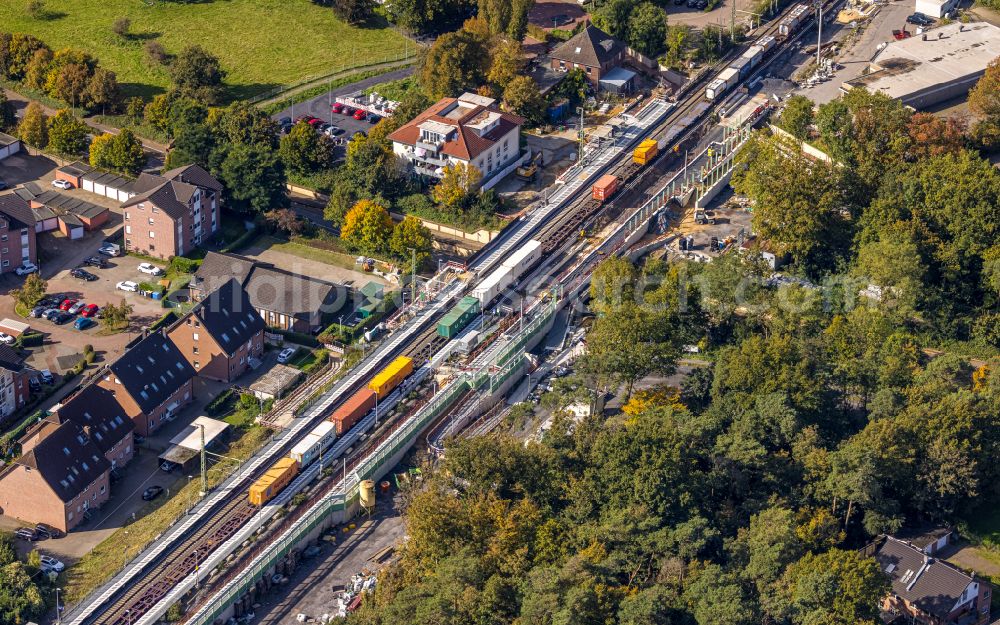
<point x="466" y="144"/>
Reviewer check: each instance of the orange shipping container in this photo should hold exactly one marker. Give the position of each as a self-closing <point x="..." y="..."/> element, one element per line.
<point x="272" y="482"/>
<point x="352" y="410"/>
<point x="605" y="187"/>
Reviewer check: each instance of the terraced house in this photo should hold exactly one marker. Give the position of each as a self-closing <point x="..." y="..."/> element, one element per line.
<point x="151" y="381"/>
<point x="172" y="214"/>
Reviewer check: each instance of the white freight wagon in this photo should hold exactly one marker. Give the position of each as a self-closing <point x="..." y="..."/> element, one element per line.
<point x="310" y="447"/>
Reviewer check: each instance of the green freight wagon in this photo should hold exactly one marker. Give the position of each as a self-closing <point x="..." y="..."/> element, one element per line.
<point x="458" y="317"/>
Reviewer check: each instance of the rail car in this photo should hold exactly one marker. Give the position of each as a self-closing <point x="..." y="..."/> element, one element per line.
<point x="320" y="438"/>
<point x="741" y="68"/>
<point x="458" y="317"/>
<point x="508" y="272"/>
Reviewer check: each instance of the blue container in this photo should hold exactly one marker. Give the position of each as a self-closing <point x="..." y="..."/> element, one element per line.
<point x="157" y="295"/>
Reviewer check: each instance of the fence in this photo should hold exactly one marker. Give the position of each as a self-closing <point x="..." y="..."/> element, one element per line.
<point x="372" y="62"/>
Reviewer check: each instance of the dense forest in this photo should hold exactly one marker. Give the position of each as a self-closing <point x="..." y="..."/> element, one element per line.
<point x="828" y="409"/>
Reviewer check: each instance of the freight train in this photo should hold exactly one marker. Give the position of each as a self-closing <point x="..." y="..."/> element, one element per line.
<point x="740" y="69"/>
<point x="507" y="273"/>
<point x="311" y="448"/>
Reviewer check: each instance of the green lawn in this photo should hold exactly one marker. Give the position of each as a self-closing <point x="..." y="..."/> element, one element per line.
<point x="262" y="43"/>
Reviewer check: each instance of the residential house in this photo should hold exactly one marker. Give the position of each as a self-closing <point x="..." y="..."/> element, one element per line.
<point x="222" y="334"/>
<point x="14" y="376"/>
<point x="930" y="540"/>
<point x="172" y="214"/>
<point x="97" y="411"/>
<point x="152" y="381"/>
<point x="469" y="129"/>
<point x="61" y="476"/>
<point x="17" y="233"/>
<point x="595" y="52"/>
<point x="284" y="300"/>
<point x="930" y="591"/>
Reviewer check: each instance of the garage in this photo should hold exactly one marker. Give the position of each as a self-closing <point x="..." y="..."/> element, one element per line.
<point x="71" y="226"/>
<point x="9" y="145"/>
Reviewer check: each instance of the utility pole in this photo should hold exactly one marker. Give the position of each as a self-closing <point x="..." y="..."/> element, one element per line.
<point x="819" y="36"/>
<point x="580" y="135"/>
<point x="732" y="22"/>
<point x="204" y="468"/>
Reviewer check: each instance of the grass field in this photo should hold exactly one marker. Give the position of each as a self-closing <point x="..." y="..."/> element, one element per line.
<point x="262" y="43"/>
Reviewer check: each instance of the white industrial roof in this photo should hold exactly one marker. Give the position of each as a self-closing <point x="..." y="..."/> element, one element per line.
<point x="949" y="54"/>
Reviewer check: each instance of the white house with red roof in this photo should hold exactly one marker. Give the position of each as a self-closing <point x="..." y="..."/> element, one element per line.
<point x="469" y="129"/>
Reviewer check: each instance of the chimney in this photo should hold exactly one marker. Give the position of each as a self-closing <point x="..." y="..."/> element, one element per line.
<point x="923" y="37"/>
<point x="86" y="431"/>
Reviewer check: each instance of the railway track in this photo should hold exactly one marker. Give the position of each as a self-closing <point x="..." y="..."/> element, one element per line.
<point x="223" y="523"/>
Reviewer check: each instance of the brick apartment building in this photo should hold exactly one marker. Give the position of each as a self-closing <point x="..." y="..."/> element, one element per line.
<point x="221" y="335"/>
<point x="59" y="478"/>
<point x="151" y="381"/>
<point x="172" y="214"/>
<point x="14" y="376"/>
<point x="97" y="412"/>
<point x="17" y="233"/>
<point x="929" y="591"/>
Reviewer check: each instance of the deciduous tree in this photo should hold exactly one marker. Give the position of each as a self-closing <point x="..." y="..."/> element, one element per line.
<point x="67" y="134"/>
<point x="456" y="62"/>
<point x="647" y="29"/>
<point x="30" y="292"/>
<point x="197" y="74"/>
<point x="523" y="97"/>
<point x="254" y="178"/>
<point x="797" y="118"/>
<point x="367" y="227"/>
<point x="33" y="128"/>
<point x="411" y="234"/>
<point x="304" y="150"/>
<point x="457" y="182"/>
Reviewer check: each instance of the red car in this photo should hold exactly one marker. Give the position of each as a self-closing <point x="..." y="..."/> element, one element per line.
<point x="359" y="114"/>
<point x="67" y="304"/>
<point x="315" y="121"/>
<point x="89" y="310"/>
<point x="337" y="107"/>
<point x="303" y="118"/>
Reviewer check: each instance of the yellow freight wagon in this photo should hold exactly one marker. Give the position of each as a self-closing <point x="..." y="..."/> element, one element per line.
<point x="272" y="483"/>
<point x="390" y="377"/>
<point x="646" y="152"/>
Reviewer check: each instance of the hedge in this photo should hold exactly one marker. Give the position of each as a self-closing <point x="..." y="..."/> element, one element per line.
<point x="168" y="318"/>
<point x="218" y="405"/>
<point x="31" y="339"/>
<point x="296" y="337"/>
<point x="180" y="264"/>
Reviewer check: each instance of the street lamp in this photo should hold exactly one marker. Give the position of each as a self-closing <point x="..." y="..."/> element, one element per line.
<point x="58" y="617"/>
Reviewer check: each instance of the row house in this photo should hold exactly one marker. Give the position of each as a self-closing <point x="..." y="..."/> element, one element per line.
<point x="222" y="335"/>
<point x="17" y="233"/>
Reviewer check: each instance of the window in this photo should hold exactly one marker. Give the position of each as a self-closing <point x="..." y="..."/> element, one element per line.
<point x="196" y="364"/>
<point x="151" y="221"/>
<point x="152" y="235"/>
<point x="126" y="215"/>
<point x="588" y="69"/>
<point x="128" y="229"/>
<point x="152" y="247"/>
<point x="195" y="348"/>
<point x="102" y="488"/>
<point x="155" y="210"/>
<point x="70" y="515"/>
<point x="6" y="263"/>
<point x="194" y="336"/>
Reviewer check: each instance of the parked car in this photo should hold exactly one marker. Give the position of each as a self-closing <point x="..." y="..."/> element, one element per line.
<point x="26" y="268"/>
<point x="67" y="304"/>
<point x="333" y="131"/>
<point x="348" y="110"/>
<point x="286" y="354"/>
<point x="95" y="261"/>
<point x="6" y="339"/>
<point x="150" y="268"/>
<point x="26" y="533"/>
<point x="34" y="385"/>
<point x="151" y="493"/>
<point x="315" y="122"/>
<point x="82" y="323"/>
<point x="76" y="308"/>
<point x="63" y="317"/>
<point x="82" y="274"/>
<point x="359" y="114"/>
<point x="337" y="108"/>
<point x="127" y="285"/>
<point x="304" y="118"/>
<point x="46" y="376"/>
<point x="286" y="128"/>
<point x="44" y="528"/>
<point x="285" y="121"/>
<point x="51" y="300"/>
<point x="109" y="249"/>
<point x="167" y="466"/>
<point x="50" y="314"/>
<point x="322" y="127"/>
<point x="62" y="184"/>
<point x="51" y="564"/>
<point x="919" y="19"/>
<point x="38" y="311"/>
<point x="90" y="310"/>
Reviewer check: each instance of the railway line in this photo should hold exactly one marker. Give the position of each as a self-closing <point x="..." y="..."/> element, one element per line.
<point x="227" y="516"/>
